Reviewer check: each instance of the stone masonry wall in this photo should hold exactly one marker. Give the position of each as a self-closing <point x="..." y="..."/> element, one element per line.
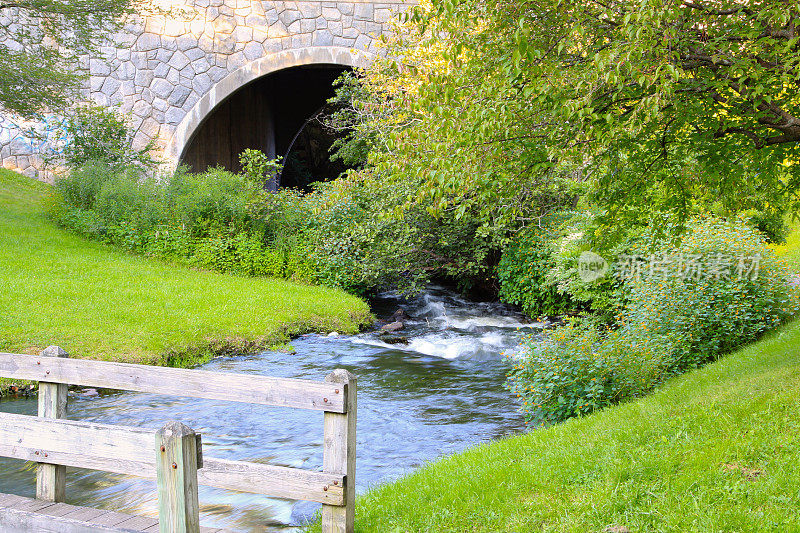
<point x="167" y="71"/>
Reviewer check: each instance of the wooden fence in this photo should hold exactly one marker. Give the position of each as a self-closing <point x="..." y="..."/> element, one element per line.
<point x="173" y="455"/>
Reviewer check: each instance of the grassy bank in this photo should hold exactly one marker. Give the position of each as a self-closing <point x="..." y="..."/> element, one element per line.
<point x="713" y="450"/>
<point x="97" y="302"/>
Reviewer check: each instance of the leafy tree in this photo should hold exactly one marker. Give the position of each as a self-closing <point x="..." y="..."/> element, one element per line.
<point x="443" y="116"/>
<point x="676" y="103"/>
<point x="353" y="143"/>
<point x="517" y="108"/>
<point x="41" y="42"/>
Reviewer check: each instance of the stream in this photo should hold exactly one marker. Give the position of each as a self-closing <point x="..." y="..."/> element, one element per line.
<point x="435" y="389"/>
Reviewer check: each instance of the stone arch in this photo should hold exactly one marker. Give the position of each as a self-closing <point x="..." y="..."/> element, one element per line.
<point x="313" y="55"/>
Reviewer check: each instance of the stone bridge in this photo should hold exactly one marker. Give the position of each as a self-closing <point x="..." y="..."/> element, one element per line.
<point x="216" y="76"/>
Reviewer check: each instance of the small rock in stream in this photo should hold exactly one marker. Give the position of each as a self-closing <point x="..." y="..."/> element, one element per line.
<point x="394" y="339"/>
<point x="399" y="315"/>
<point x="392" y="327"/>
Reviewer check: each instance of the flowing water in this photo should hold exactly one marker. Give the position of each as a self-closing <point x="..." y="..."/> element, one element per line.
<point x="431" y="389"/>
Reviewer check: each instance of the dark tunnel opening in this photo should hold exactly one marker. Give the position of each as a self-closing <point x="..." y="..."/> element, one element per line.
<point x="279" y="115"/>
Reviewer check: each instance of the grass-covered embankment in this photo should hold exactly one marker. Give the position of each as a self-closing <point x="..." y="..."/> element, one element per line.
<point x="97" y="302"/>
<point x="713" y="450"/>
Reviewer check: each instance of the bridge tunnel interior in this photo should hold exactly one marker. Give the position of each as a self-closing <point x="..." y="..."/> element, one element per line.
<point x="277" y="114"/>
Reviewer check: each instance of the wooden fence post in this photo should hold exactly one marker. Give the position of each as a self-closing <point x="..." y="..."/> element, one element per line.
<point x="176" y="460"/>
<point x="51" y="480"/>
<point x="339" y="455"/>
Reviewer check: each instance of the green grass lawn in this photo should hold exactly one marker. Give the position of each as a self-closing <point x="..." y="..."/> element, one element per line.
<point x="714" y="450"/>
<point x="97" y="302"/>
<point x="790" y="250"/>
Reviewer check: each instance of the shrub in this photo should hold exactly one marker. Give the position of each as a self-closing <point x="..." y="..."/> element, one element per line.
<point x="201" y="218"/>
<point x="281" y="215"/>
<point x="300" y="263"/>
<point x="365" y="236"/>
<point x="80" y="187"/>
<point x="721" y="308"/>
<point x="238" y="254"/>
<point x="712" y="301"/>
<point x="606" y="296"/>
<point x="347" y="239"/>
<point x="523" y="275"/>
<point x="169" y="241"/>
<point x="258" y="167"/>
<point x="83" y="221"/>
<point x="213" y="203"/>
<point x="97" y="134"/>
<point x="577" y="369"/>
<point x="129" y="198"/>
<point x="770" y="222"/>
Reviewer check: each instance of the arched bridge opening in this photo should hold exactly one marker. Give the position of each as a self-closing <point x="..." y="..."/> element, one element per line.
<point x="280" y="114"/>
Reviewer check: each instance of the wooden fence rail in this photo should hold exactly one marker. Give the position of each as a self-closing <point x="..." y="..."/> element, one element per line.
<point x="177" y="461"/>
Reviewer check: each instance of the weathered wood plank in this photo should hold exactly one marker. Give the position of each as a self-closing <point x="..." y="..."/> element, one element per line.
<point x="85" y="514"/>
<point x="246" y="388"/>
<point x="339" y="455"/>
<point x="270" y="480"/>
<point x="10" y="500"/>
<point x="138" y="523"/>
<point x="58" y="509"/>
<point x="51" y="480"/>
<point x="34" y="505"/>
<point x="77" y="460"/>
<point x="178" y="504"/>
<point x="127" y="450"/>
<point x="74" y="443"/>
<point x="110" y="519"/>
<point x="18" y="521"/>
<point x="154" y="529"/>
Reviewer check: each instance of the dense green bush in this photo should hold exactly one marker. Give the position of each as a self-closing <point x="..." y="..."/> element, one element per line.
<point x="361" y="238"/>
<point x="209" y="220"/>
<point x="742" y="290"/>
<point x="539" y="270"/>
<point x="258" y="167"/>
<point x="604" y="297"/>
<point x="129" y="198"/>
<point x="239" y="254"/>
<point x="770" y="222"/>
<point x="347" y="239"/>
<point x="82" y="185"/>
<point x="577" y="369"/>
<point x="523" y="275"/>
<point x="211" y="203"/>
<point x="97" y="134"/>
<point x="687" y="305"/>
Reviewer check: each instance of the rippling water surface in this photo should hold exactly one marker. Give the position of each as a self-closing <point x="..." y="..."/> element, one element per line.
<point x="431" y="389"/>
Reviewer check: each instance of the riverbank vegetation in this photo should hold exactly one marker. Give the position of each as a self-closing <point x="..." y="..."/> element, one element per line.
<point x="712" y="450"/>
<point x="650" y="144"/>
<point x="503" y="148"/>
<point x="682" y="310"/>
<point x="631" y="165"/>
<point x="98" y="302"/>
